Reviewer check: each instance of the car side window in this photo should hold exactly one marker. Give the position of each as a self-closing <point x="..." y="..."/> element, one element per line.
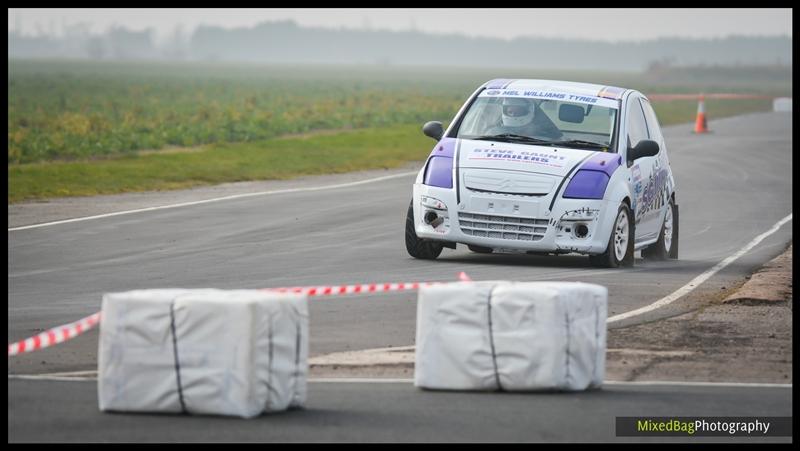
<point x="652" y="121"/>
<point x="637" y="126"/>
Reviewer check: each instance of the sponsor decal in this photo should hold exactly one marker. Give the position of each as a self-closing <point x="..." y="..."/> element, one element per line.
<point x="542" y="158"/>
<point x="636" y="172"/>
<point x="654" y="194"/>
<point x="551" y="95"/>
<point x="545" y="95"/>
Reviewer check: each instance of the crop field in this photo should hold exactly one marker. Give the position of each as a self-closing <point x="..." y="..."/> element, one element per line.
<point x="68" y="111"/>
<point x="93" y="115"/>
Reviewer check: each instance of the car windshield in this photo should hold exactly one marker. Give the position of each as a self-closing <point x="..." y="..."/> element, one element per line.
<point x="541" y="121"/>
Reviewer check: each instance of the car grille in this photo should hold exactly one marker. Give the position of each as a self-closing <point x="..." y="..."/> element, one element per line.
<point x="503" y="194"/>
<point x="502" y="227"/>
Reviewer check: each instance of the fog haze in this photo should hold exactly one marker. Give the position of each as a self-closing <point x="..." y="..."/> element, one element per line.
<point x="612" y="39"/>
<point x="506" y="23"/>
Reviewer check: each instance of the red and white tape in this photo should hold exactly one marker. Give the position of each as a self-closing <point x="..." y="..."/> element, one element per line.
<point x="54" y="336"/>
<point x="68" y="331"/>
<point x="366" y="288"/>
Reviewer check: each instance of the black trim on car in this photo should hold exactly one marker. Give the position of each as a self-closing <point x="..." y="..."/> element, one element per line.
<point x="506" y="192"/>
<point x="455" y="163"/>
<point x="454" y="131"/>
<point x="615" y="140"/>
<point x="457" y="123"/>
<point x="558" y="190"/>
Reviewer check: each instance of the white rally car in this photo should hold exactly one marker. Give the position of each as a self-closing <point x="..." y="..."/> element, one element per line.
<point x="544" y="166"/>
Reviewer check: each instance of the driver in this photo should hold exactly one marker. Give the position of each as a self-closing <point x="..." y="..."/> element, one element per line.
<point x="522" y="117"/>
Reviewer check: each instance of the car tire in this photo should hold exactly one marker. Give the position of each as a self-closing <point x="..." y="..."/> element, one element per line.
<point x="416" y="247"/>
<point x="480" y="249"/>
<point x="667" y="244"/>
<point x="619" y="251"/>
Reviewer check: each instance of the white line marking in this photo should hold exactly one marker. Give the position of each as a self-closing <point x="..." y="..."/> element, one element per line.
<point x="360" y="380"/>
<point x="621" y="383"/>
<point x="85" y="376"/>
<point x="44" y="377"/>
<point x="700" y="384"/>
<point x="74" y="374"/>
<point x="235" y="196"/>
<point x="65" y="376"/>
<point x="694" y="283"/>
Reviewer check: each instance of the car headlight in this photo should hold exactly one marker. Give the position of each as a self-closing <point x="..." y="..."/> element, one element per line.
<point x="587" y="184"/>
<point x="439" y="172"/>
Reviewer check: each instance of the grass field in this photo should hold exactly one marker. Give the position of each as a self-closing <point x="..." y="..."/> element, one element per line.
<point x="80" y="128"/>
<point x="217" y="163"/>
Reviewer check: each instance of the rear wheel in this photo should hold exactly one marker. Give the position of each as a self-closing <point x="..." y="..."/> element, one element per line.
<point x="619" y="251"/>
<point x="416" y="247"/>
<point x="667" y="244"/>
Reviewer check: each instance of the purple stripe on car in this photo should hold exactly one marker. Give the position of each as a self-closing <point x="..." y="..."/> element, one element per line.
<point x="439" y="172"/>
<point x="587" y="184"/>
<point x="604" y="162"/>
<point x="592" y="178"/>
<point x="498" y="83"/>
<point x="446" y="147"/>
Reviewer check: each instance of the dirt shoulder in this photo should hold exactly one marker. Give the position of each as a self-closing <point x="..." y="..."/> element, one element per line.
<point x="744" y="337"/>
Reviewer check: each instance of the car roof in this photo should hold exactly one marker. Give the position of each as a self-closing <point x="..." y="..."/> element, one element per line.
<point x="585" y="89"/>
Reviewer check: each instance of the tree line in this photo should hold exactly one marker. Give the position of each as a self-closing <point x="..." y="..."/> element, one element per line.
<point x="288" y="43"/>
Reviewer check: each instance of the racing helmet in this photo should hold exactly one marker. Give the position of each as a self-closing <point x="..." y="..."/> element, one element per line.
<point x="517" y="112"/>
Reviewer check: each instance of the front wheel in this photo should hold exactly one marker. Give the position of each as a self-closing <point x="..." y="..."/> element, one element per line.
<point x="416" y="247"/>
<point x="619" y="251"/>
<point x="667" y="244"/>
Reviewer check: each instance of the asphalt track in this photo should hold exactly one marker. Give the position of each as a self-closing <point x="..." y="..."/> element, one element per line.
<point x="393" y="412"/>
<point x="732" y="185"/>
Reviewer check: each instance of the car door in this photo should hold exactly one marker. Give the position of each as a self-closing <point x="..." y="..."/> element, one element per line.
<point x="661" y="169"/>
<point x="643" y="173"/>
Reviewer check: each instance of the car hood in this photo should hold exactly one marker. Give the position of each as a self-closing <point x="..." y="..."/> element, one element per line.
<point x="556" y="161"/>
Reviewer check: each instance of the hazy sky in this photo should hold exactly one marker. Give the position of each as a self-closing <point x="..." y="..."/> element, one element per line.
<point x="596" y="24"/>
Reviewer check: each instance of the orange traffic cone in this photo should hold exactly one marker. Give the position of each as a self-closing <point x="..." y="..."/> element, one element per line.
<point x="700" y="125"/>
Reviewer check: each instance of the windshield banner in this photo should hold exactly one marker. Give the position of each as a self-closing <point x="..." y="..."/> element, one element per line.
<point x="551" y="95"/>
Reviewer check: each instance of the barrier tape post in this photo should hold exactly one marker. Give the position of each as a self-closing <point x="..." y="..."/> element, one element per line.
<point x="69" y="331"/>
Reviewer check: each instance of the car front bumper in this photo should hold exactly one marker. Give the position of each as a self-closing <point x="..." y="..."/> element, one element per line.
<point x="511" y="223"/>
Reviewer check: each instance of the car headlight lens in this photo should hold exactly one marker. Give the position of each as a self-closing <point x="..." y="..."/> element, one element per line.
<point x="439" y="172"/>
<point x="587" y="184"/>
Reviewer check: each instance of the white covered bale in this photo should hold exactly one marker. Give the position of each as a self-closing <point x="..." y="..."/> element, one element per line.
<point x="511" y="336"/>
<point x="203" y="351"/>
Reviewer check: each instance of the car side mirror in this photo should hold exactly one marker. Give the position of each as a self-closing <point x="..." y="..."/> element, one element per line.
<point x="433" y="129"/>
<point x="645" y="148"/>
